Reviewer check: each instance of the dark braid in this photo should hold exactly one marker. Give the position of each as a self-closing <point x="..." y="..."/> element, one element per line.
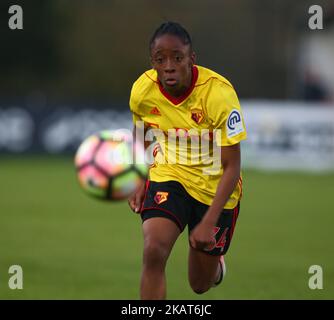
<point x="172" y="28"/>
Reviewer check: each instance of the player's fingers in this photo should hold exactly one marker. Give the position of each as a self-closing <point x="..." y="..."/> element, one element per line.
<point x="138" y="201"/>
<point x="209" y="245"/>
<point x="192" y="242"/>
<point x="132" y="204"/>
<point x="201" y="245"/>
<point x="139" y="197"/>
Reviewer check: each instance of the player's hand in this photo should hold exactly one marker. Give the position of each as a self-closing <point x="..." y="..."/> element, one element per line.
<point x="136" y="199"/>
<point x="202" y="237"/>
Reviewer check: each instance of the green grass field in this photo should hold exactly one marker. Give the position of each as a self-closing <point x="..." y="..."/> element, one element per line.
<point x="71" y="246"/>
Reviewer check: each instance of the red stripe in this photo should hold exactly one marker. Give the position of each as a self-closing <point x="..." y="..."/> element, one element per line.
<point x="180" y="99"/>
<point x="166" y="211"/>
<point x="240" y="185"/>
<point x="146" y="188"/>
<point x="234" y="219"/>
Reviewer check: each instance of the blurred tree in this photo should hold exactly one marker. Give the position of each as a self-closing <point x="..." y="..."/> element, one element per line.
<point x="29" y="58"/>
<point x="95" y="50"/>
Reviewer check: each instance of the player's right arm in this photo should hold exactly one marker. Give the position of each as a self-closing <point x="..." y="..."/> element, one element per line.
<point x="139" y="90"/>
<point x="136" y="199"/>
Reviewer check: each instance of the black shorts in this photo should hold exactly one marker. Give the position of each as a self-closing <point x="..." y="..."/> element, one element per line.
<point x="170" y="200"/>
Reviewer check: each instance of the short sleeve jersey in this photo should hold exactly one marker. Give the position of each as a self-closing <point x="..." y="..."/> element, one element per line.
<point x="190" y="130"/>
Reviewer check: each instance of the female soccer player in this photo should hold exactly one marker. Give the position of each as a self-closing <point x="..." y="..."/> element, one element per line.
<point x="180" y="99"/>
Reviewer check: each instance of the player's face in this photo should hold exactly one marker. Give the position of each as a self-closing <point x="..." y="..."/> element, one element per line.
<point x="173" y="62"/>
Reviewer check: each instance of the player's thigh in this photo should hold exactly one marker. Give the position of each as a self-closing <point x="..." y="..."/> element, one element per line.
<point x="159" y="235"/>
<point x="165" y="213"/>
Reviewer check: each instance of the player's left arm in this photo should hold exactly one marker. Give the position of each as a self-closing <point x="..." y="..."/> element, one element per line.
<point x="224" y="112"/>
<point x="201" y="237"/>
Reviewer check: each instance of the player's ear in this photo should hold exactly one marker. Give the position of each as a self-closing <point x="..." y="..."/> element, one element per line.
<point x="193" y="57"/>
<point x="151" y="62"/>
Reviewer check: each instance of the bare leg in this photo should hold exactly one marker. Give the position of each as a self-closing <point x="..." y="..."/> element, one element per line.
<point x="160" y="235"/>
<point x="203" y="271"/>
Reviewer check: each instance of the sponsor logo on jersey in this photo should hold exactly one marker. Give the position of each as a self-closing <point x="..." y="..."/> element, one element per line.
<point x="234" y="123"/>
<point x="161" y="197"/>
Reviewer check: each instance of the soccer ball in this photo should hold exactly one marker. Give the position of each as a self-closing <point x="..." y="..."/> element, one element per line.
<point x="105" y="165"/>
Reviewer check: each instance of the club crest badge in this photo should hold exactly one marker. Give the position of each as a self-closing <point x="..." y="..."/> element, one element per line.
<point x="197" y="115"/>
<point x="161" y="197"/>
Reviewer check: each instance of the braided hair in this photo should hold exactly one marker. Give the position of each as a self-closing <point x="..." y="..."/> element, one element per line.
<point x="172" y="28"/>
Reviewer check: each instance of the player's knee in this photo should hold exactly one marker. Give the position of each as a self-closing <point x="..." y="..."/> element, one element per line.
<point x="155" y="253"/>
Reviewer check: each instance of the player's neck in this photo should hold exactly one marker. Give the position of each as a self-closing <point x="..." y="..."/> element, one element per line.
<point x="178" y="92"/>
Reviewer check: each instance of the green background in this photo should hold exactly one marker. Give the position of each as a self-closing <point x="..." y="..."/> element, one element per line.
<point x="71" y="246"/>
